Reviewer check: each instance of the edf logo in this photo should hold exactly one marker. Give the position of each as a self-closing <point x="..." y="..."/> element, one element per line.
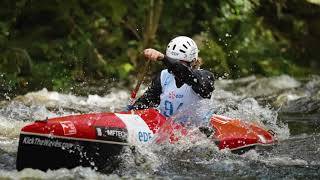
<point x="144" y="136"/>
<point x="173" y="95"/>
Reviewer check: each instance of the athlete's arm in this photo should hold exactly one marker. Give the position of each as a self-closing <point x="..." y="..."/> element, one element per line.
<point x="201" y="81"/>
<point x="151" y="98"/>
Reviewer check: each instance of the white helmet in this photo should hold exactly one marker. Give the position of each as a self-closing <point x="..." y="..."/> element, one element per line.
<point x="182" y="48"/>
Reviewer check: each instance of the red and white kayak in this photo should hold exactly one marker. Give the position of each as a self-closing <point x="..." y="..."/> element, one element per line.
<point x="94" y="140"/>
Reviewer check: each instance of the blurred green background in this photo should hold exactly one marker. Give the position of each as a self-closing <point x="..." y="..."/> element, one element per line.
<point x="65" y="44"/>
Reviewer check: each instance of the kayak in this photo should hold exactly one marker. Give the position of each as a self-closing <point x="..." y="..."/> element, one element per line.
<point x="96" y="140"/>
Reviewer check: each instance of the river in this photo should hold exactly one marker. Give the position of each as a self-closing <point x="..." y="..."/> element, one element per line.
<point x="288" y="106"/>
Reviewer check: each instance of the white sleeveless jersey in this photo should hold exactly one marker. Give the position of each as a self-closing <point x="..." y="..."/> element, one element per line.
<point x="172" y="97"/>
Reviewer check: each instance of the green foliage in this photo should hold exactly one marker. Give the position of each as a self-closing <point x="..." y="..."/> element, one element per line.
<point x="215" y="57"/>
<point x="57" y="44"/>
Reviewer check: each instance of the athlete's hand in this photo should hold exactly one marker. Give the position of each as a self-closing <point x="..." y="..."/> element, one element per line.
<point x="153" y="54"/>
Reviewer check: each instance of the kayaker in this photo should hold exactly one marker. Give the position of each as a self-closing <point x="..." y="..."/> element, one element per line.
<point x="181" y="83"/>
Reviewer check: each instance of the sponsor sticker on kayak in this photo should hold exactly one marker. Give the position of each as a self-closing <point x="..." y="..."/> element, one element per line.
<point x="138" y="130"/>
<point x="111" y="134"/>
<point x="68" y="128"/>
<point x="40" y="141"/>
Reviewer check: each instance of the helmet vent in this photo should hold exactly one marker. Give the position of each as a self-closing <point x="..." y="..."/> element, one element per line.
<point x="185" y="46"/>
<point x="182" y="51"/>
<point x="188" y="43"/>
<point x="174" y="47"/>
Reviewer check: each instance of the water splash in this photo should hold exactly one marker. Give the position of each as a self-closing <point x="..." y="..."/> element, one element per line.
<point x="21" y="112"/>
<point x="10" y="128"/>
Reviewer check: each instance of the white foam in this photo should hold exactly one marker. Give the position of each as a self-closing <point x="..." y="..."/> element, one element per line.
<point x="117" y="99"/>
<point x="10" y="127"/>
<point x="75" y="173"/>
<point x="284" y="82"/>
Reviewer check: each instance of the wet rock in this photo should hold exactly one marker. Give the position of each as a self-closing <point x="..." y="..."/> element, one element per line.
<point x="285" y="97"/>
<point x="259" y="87"/>
<point x="270" y="86"/>
<point x="307" y="96"/>
<point x="231" y="85"/>
<point x="302" y="105"/>
<point x="313" y="87"/>
<point x="267" y="90"/>
<point x="317" y="96"/>
<point x="310" y="88"/>
<point x="3" y="103"/>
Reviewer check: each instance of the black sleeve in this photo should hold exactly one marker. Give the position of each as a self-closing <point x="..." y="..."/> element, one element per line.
<point x="151" y="98"/>
<point x="201" y="81"/>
